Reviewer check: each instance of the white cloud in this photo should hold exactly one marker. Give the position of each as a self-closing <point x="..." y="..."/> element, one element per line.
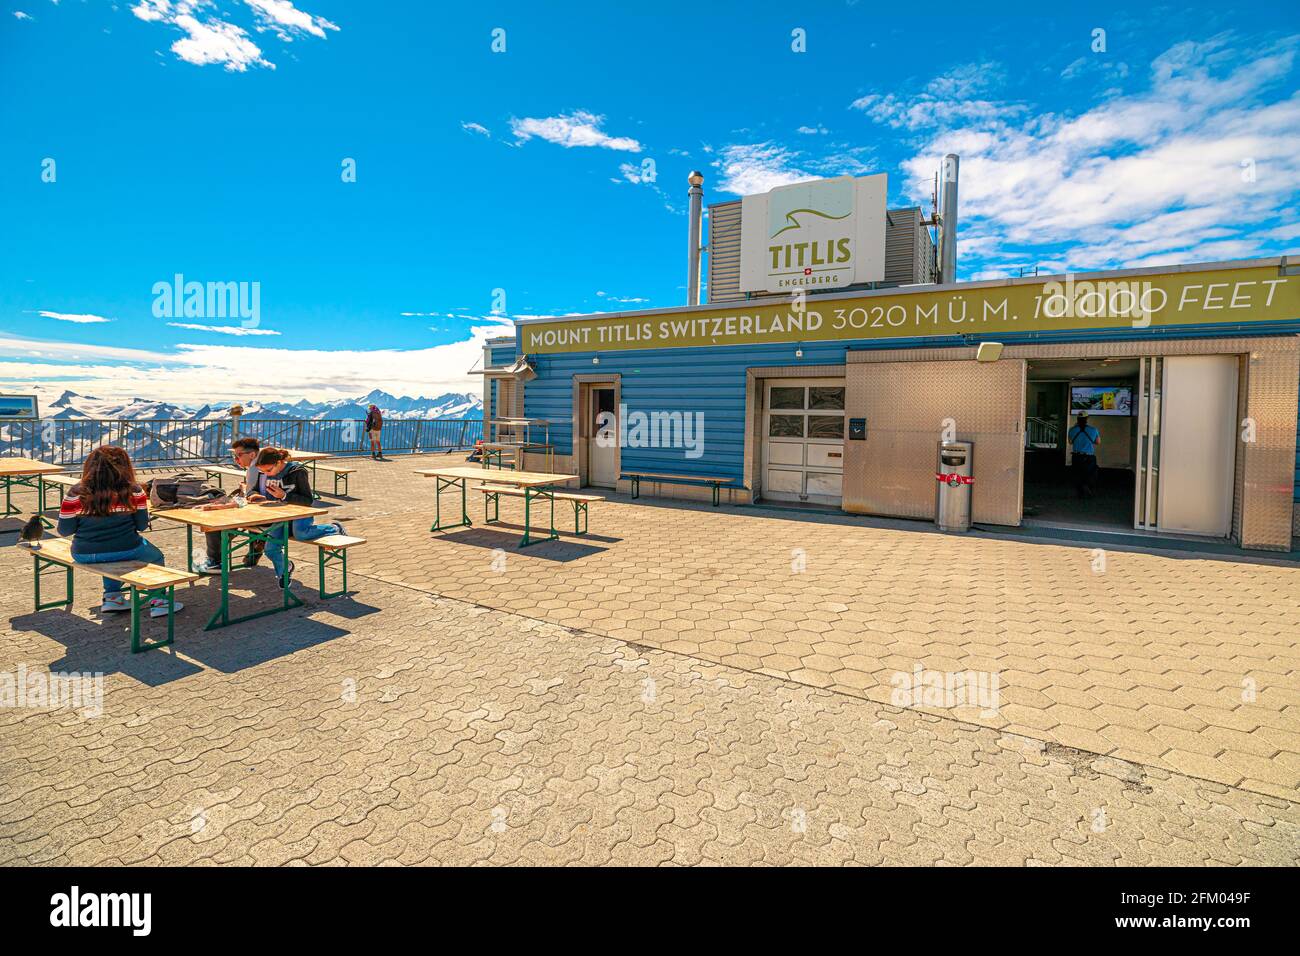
<point x="622" y="299"/>
<point x="195" y="374"/>
<point x="211" y="40"/>
<point x="83" y="318"/>
<point x="223" y="329"/>
<point x="757" y="167"/>
<point x="634" y="173"/>
<point x="287" y="20"/>
<point x="475" y="128"/>
<point x="579" y="128"/>
<point x="817" y="130"/>
<point x="1149" y="178"/>
<point x="216" y="41"/>
<point x="19" y="15"/>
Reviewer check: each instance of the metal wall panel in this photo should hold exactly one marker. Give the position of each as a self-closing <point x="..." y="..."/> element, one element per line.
<point x="1269" y="516"/>
<point x="1273" y="387"/>
<point x="905" y="405"/>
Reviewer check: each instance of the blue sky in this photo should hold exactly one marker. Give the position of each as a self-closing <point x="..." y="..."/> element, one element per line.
<point x="209" y="138"/>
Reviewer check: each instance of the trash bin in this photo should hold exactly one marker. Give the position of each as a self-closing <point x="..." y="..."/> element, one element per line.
<point x="955" y="478"/>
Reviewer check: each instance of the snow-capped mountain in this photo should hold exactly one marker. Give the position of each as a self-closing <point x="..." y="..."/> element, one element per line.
<point x="451" y="405"/>
<point x="84" y="422"/>
<point x="68" y="404"/>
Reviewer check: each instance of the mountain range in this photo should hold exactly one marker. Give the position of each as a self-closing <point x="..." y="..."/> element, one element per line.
<point x="69" y="404"/>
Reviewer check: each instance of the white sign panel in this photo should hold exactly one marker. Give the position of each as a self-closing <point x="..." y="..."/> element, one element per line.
<point x="824" y="234"/>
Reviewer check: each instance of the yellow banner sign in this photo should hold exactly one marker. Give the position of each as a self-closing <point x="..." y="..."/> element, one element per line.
<point x="1142" y="302"/>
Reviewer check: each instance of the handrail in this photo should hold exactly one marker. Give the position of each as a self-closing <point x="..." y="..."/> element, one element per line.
<point x="166" y="441"/>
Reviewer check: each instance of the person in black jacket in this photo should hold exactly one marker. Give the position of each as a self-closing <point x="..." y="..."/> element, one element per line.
<point x="280" y="479"/>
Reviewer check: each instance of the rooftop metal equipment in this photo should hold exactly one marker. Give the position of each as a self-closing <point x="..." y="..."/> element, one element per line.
<point x="696" y="194"/>
<point x="948" y="221"/>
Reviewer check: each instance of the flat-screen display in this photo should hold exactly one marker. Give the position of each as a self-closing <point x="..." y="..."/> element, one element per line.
<point x="1101" y="399"/>
<point x="17" y="406"/>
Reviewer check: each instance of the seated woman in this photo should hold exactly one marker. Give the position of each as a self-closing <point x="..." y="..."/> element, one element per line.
<point x="104" y="514"/>
<point x="280" y="479"/>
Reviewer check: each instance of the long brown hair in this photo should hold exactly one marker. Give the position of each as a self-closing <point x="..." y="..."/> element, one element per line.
<point x="107" y="479"/>
<point x="272" y="456"/>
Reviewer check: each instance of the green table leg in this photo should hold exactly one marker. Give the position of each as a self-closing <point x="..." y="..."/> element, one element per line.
<point x="41" y="564"/>
<point x="41" y="504"/>
<point x="142" y="598"/>
<point x="337" y="556"/>
<point x="437" y="504"/>
<point x="529" y="493"/>
<point x="221" y="617"/>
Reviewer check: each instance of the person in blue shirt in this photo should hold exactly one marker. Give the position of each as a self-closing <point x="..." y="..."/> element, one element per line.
<point x="1084" y="440"/>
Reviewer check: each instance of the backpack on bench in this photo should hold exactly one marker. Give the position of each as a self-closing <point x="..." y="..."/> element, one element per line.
<point x="182" y="491"/>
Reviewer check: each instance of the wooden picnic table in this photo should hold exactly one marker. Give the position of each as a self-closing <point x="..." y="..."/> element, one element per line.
<point x="497" y="449"/>
<point x="307" y="456"/>
<point x="534" y="484"/>
<point x="15" y="470"/>
<point x="239" y="528"/>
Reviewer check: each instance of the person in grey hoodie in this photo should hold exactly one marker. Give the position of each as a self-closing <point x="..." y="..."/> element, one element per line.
<point x="244" y="451"/>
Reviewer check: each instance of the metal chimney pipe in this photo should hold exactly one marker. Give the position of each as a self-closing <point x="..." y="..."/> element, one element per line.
<point x="696" y="194"/>
<point x="948" y="221"/>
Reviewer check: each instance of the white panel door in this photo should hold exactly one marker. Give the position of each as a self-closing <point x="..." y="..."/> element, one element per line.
<point x="602" y="443"/>
<point x="803" y="440"/>
<point x="1198" y="432"/>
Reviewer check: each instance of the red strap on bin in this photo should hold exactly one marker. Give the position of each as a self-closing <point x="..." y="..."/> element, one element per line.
<point x="956" y="479"/>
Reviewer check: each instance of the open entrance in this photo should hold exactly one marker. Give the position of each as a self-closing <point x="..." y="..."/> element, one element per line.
<point x="1161" y="430"/>
<point x="1060" y="488"/>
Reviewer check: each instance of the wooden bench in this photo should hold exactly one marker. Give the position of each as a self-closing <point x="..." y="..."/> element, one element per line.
<point x="333" y="549"/>
<point x="220" y="471"/>
<point x="636" y="477"/>
<point x="336" y="472"/>
<point x="146" y="582"/>
<point x="579" y="502"/>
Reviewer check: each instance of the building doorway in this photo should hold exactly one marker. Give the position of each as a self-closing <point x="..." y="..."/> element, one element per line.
<point x="1166" y="456"/>
<point x="1055" y="391"/>
<point x="803" y="440"/>
<point x="602" y="437"/>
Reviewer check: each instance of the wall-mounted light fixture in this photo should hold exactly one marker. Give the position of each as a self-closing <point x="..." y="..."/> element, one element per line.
<point x="798" y="353"/>
<point x="988" y="352"/>
<point x="595" y="360"/>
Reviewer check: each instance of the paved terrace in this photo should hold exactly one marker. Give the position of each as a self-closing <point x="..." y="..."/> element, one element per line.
<point x="682" y="685"/>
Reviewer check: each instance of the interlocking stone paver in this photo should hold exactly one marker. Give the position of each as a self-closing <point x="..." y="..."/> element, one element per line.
<point x="447" y="712"/>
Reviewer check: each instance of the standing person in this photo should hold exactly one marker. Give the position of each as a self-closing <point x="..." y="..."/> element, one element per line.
<point x="1084" y="440"/>
<point x="244" y="452"/>
<point x="104" y="514"/>
<point x="280" y="479"/>
<point x="374" y="425"/>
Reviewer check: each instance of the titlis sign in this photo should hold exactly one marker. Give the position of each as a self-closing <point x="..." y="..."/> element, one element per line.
<point x="824" y="234"/>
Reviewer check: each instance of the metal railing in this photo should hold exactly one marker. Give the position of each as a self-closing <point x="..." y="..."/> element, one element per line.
<point x="1040" y="433"/>
<point x="180" y="441"/>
